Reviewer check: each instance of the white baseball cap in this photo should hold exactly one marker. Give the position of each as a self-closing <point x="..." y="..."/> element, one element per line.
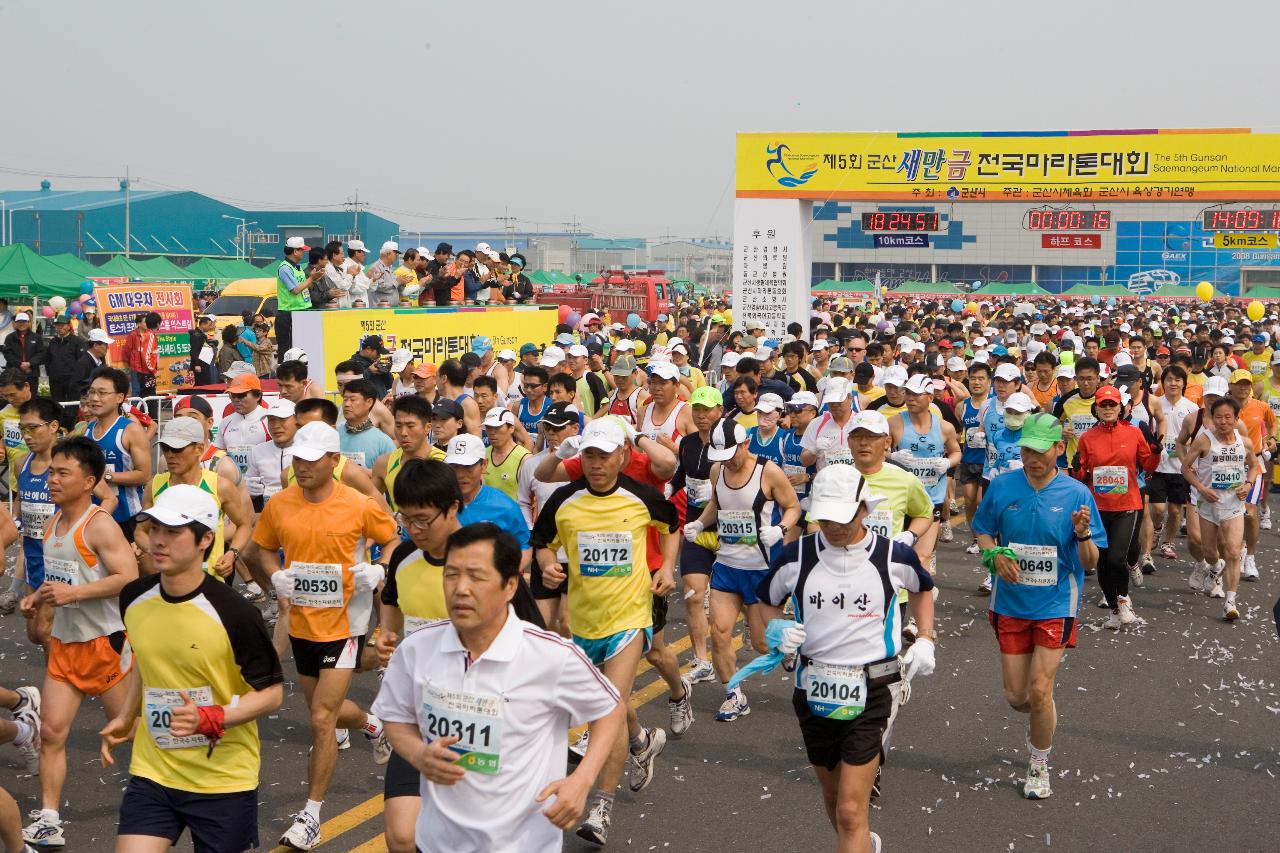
<point x="725" y="438"/>
<point x="577" y="351"/>
<point x="1216" y="385"/>
<point x="507" y="355"/>
<point x="98" y="336"/>
<point x="870" y="420"/>
<point x="552" y="356"/>
<point x="920" y="384"/>
<point x="820" y="343"/>
<point x="295" y="354"/>
<point x="730" y="359"/>
<point x="498" y="416"/>
<point x="979" y="341"/>
<point x="664" y="370"/>
<point x="1066" y="371"/>
<point x="181" y="432"/>
<point x="1020" y="402"/>
<point x="836" y="390"/>
<point x="279" y="408"/>
<point x="296" y="243"/>
<point x="604" y="434"/>
<point x="400" y="360"/>
<point x="389" y="246"/>
<point x="180" y="505"/>
<point x="22" y="315"/>
<point x="1122" y="358"/>
<point x="465" y="449"/>
<point x="483" y="248"/>
<point x="1008" y="372"/>
<point x="357" y="246"/>
<point x="896" y="375"/>
<point x="802" y="398"/>
<point x="625" y="345"/>
<point x="315" y="440"/>
<point x="769" y="403"/>
<point x="956" y="363"/>
<point x="837" y="492"/>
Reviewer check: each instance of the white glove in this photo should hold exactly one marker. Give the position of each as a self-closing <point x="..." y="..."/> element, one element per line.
<point x="826" y="443"/>
<point x="919" y="659"/>
<point x="367" y="575"/>
<point x="698" y="493"/>
<point x="792" y="639"/>
<point x="907" y="538"/>
<point x="902" y="457"/>
<point x="770" y="536"/>
<point x="256" y="485"/>
<point x="943" y="465"/>
<point x="569" y="447"/>
<point x="282" y="581"/>
<point x="692" y="529"/>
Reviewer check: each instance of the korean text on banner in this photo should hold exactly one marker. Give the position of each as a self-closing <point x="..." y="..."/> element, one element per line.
<point x="119" y="306"/>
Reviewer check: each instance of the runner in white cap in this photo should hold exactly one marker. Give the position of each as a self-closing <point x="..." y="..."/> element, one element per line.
<point x="928" y="448"/>
<point x="826" y="438"/>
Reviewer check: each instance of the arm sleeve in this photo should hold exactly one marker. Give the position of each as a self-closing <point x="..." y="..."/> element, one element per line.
<point x="250" y="641"/>
<point x="581" y="691"/>
<point x="905" y="568"/>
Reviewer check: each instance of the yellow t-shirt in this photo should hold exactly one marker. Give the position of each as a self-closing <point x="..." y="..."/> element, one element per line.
<point x="415" y="584"/>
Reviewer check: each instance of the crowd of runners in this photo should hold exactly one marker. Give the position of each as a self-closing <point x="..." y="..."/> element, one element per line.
<point x="493" y="542"/>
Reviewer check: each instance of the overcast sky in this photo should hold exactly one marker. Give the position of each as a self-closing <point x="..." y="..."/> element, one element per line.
<point x="445" y="115"/>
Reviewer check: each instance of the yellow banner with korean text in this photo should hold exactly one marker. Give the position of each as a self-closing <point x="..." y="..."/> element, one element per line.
<point x="431" y="334"/>
<point x="1212" y="165"/>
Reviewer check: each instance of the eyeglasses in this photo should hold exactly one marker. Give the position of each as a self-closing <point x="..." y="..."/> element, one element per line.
<point x="535" y="385"/>
<point x="98" y="392"/>
<point x="414" y="524"/>
<point x="27" y="429"/>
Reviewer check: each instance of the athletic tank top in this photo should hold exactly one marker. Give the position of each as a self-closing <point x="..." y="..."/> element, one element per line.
<point x="625" y="406"/>
<point x="504" y="476"/>
<point x="529" y="420"/>
<point x="928" y="447"/>
<point x="395" y="461"/>
<point x="67" y="559"/>
<point x="741" y="513"/>
<point x="771" y="449"/>
<point x="1223" y="468"/>
<point x="37" y="509"/>
<point x="208" y="483"/>
<point x="118" y="460"/>
<point x="666" y="427"/>
<point x="974" y="444"/>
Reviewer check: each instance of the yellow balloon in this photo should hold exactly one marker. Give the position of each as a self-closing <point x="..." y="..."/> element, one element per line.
<point x="1204" y="290"/>
<point x="972" y="307"/>
<point x="640" y="348"/>
<point x="1256" y="311"/>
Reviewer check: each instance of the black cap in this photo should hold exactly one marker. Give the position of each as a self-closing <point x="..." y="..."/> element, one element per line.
<point x="445" y="248"/>
<point x="446" y="409"/>
<point x="1128" y="373"/>
<point x="374" y="342"/>
<point x="559" y="414"/>
<point x="200" y="404"/>
<point x="594" y="347"/>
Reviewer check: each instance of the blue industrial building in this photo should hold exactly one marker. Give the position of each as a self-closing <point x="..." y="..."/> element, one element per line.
<point x="180" y="225"/>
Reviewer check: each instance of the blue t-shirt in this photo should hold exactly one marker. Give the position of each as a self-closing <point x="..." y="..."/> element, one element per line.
<point x="247" y="336"/>
<point x="492" y="505"/>
<point x="364" y="447"/>
<point x="1013" y="512"/>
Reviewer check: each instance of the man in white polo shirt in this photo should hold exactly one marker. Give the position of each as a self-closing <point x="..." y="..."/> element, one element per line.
<point x="479" y="703"/>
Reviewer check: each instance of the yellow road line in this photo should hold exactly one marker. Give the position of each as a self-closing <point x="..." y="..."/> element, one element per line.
<point x="373" y="845"/>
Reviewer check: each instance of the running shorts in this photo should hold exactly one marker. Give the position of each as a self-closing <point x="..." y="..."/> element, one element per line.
<point x="1227" y="507"/>
<point x="659" y="612"/>
<point x="92" y="667"/>
<point x="310" y="656"/>
<point x="969" y="472"/>
<point x="219" y="823"/>
<point x="740" y="582"/>
<point x="601" y="649"/>
<point x="541" y="591"/>
<point x="402" y="779"/>
<point x="696" y="560"/>
<point x="1165" y="488"/>
<point x="858" y="741"/>
<point x="1019" y="636"/>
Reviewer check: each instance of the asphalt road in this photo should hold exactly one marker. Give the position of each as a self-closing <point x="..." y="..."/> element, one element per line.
<point x="1167" y="740"/>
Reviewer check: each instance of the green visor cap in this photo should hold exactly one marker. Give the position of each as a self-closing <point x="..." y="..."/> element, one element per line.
<point x="1040" y="432"/>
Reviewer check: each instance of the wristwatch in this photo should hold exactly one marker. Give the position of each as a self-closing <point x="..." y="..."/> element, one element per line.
<point x="109" y="476"/>
<point x="1080" y="538"/>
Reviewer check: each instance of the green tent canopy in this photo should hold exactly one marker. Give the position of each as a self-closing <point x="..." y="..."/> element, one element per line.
<point x="832" y="286"/>
<point x="163" y="269"/>
<point x="121" y="267"/>
<point x="221" y="270"/>
<point x="926" y="288"/>
<point x="25" y="275"/>
<point x="1102" y="290"/>
<point x="1009" y="288"/>
<point x="79" y="266"/>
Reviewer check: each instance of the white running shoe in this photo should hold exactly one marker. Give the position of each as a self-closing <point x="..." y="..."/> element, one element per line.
<point x="8" y="601"/>
<point x="28" y="709"/>
<point x="1135" y="576"/>
<point x="595" y="826"/>
<point x="1113" y="621"/>
<point x="948" y="535"/>
<point x="701" y="671"/>
<point x="1197" y="578"/>
<point x="344" y="739"/>
<point x="1102" y="603"/>
<point x="381" y="748"/>
<point x="579" y="746"/>
<point x="681" y="710"/>
<point x="1216" y="591"/>
<point x="253" y="593"/>
<point x="1147" y="564"/>
<point x="986" y="584"/>
<point x="1249" y="568"/>
<point x="304" y="834"/>
<point x="875" y="843"/>
<point x="734" y="706"/>
<point x="1037" y="785"/>
<point x="42" y="832"/>
<point x="1230" y="612"/>
<point x="974" y="548"/>
<point x="953" y="508"/>
<point x="1265" y="521"/>
<point x="640" y="771"/>
<point x="1127" y="616"/>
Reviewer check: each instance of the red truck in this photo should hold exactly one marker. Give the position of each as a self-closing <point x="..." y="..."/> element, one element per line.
<point x="617" y="292"/>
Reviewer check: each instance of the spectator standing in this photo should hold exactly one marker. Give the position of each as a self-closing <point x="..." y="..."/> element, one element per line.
<point x="438" y="270"/>
<point x="292" y="290"/>
<point x="64" y="351"/>
<point x="25" y="349"/>
<point x="203" y="345"/>
<point x="384" y="291"/>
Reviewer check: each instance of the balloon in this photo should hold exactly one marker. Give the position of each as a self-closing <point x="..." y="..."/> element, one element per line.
<point x="977" y="284"/>
<point x="86" y="287"/>
<point x="640" y="348"/>
<point x="972" y="308"/>
<point x="1095" y="299"/>
<point x="1256" y="311"/>
<point x="75" y="308"/>
<point x="565" y="310"/>
<point x="48" y="311"/>
<point x="1111" y="302"/>
<point x="1204" y="290"/>
<point x="633" y="320"/>
<point x="1067" y="357"/>
<point x="957" y="305"/>
<point x="573" y="319"/>
<point x="57" y="303"/>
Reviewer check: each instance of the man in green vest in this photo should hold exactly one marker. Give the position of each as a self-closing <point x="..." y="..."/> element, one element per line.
<point x="591" y="388"/>
<point x="292" y="290"/>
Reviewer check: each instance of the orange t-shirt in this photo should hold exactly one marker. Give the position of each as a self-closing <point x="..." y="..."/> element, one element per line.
<point x="1044" y="398"/>
<point x="1194" y="391"/>
<point x="1259" y="421"/>
<point x="321" y="542"/>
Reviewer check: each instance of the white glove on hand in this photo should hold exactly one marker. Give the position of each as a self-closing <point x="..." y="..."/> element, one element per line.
<point x="692" y="529"/>
<point x="367" y="575"/>
<point x="770" y="536"/>
<point x="792" y="639"/>
<point x="698" y="493"/>
<point x="826" y="443"/>
<point x="907" y="538"/>
<point x="943" y="465"/>
<point x="256" y="485"/>
<point x="282" y="581"/>
<point x="569" y="447"/>
<point x="902" y="457"/>
<point x="919" y="659"/>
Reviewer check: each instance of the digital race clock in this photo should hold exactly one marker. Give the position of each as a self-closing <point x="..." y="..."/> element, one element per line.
<point x="1242" y="219"/>
<point x="1068" y="220"/>
<point x="904" y="220"/>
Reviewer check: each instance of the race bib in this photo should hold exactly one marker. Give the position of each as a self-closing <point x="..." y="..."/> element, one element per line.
<point x="698" y="491"/>
<point x="975" y="439"/>
<point x="1225" y="476"/>
<point x="604" y="555"/>
<point x="356" y="456"/>
<point x="838" y="456"/>
<point x="12" y="435"/>
<point x="1274" y="403"/>
<point x="317" y="584"/>
<point x="158" y="705"/>
<point x="62" y="571"/>
<point x="475" y="720"/>
<point x="414" y="623"/>
<point x="34" y="517"/>
<point x="240" y="455"/>
<point x="1171" y="448"/>
<point x="737" y="527"/>
<point x="1080" y="424"/>
<point x="924" y="471"/>
<point x="836" y="692"/>
<point x="1257" y="368"/>
<point x="880" y="521"/>
<point x="1111" y="480"/>
<point x="1037" y="564"/>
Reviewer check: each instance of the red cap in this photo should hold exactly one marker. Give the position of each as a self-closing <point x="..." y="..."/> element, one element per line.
<point x="944" y="344"/>
<point x="1107" y="392"/>
<point x="1162" y="350"/>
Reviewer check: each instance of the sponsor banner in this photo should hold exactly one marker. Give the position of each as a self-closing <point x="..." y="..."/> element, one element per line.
<point x="770" y="263"/>
<point x="119" y="306"/>
<point x="1231" y="164"/>
<point x="431" y="334"/>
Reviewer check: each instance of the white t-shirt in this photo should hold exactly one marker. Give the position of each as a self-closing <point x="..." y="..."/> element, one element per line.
<point x="238" y="434"/>
<point x="514" y="703"/>
<point x="1170" y="463"/>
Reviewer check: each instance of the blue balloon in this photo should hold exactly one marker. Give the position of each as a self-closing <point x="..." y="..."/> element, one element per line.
<point x="957" y="305"/>
<point x="1095" y="299"/>
<point x="86" y="287"/>
<point x="633" y="320"/>
<point x="1111" y="302"/>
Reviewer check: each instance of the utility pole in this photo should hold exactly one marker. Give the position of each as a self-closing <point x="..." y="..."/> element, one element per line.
<point x="508" y="226"/>
<point x="127" y="183"/>
<point x="354" y="206"/>
<point x="573" y="242"/>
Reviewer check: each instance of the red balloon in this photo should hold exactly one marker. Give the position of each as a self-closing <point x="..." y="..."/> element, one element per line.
<point x="564" y="313"/>
<point x="48" y="311"/>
